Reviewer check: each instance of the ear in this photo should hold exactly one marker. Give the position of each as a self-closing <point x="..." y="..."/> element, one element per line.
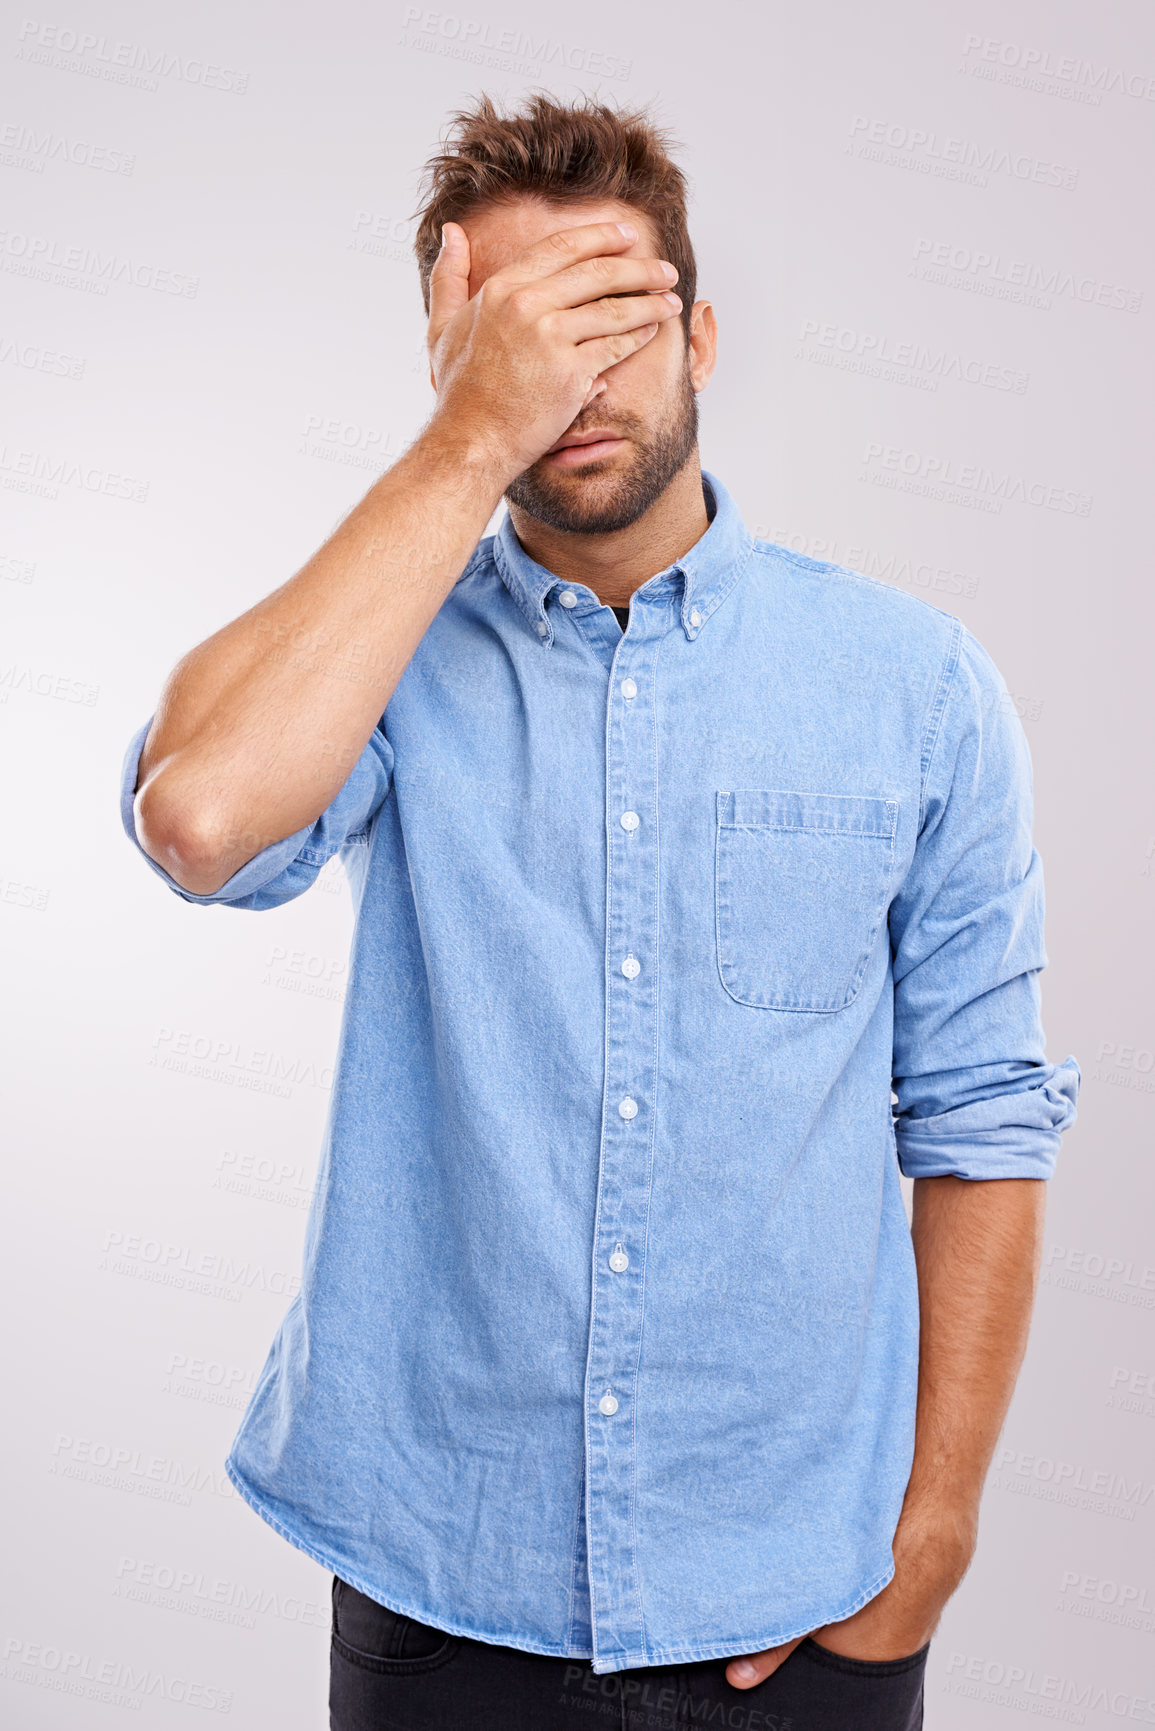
<point x="703" y="344"/>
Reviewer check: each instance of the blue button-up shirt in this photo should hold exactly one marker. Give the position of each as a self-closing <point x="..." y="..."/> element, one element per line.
<point x="606" y="1342"/>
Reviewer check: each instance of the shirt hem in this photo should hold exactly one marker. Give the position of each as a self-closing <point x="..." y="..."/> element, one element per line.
<point x="600" y="1665"/>
<point x="331" y="1561"/>
<point x="738" y="1648"/>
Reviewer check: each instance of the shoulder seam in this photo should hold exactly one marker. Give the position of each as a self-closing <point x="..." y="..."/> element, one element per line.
<point x="831" y="568"/>
<point x="933" y="729"/>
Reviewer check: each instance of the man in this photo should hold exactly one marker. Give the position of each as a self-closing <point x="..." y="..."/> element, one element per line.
<point x="617" y="1373"/>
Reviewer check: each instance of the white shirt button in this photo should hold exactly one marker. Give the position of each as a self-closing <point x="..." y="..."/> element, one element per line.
<point x="608" y="1403"/>
<point x="695" y="616"/>
<point x="628" y="1108"/>
<point x="630" y="820"/>
<point x="629" y="690"/>
<point x="542" y="628"/>
<point x="619" y="1261"/>
<point x="568" y="598"/>
<point x="631" y="967"/>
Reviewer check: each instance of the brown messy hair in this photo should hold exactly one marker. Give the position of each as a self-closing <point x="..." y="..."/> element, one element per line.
<point x="555" y="151"/>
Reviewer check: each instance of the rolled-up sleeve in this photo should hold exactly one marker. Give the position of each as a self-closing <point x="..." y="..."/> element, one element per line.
<point x="286" y="868"/>
<point x="976" y="1097"/>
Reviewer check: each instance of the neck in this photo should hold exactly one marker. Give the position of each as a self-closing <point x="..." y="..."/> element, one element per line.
<point x="614" y="565"/>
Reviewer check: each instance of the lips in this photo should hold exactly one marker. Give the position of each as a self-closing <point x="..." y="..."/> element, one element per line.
<point x="591" y="438"/>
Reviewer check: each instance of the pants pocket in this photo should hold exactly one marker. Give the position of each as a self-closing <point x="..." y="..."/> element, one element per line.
<point x="868" y="1694"/>
<point x="867" y="1667"/>
<point x="382" y="1640"/>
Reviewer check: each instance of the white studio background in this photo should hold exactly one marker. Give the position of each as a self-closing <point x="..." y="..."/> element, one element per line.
<point x="926" y="231"/>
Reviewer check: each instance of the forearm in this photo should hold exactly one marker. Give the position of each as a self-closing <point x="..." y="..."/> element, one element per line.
<point x="258" y="727"/>
<point x="977" y="1247"/>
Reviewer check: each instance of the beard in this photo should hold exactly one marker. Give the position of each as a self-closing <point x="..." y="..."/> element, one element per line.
<point x="604" y="496"/>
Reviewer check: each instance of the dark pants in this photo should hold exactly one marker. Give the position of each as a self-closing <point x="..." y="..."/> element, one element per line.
<point x="390" y="1673"/>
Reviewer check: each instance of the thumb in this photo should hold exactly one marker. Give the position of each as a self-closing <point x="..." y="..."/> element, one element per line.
<point x="448" y="280"/>
<point x="756" y="1667"/>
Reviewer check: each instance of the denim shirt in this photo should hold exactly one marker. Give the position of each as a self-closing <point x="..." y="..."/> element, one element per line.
<point x="673" y="949"/>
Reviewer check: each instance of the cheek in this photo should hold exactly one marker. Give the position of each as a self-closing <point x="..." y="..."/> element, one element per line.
<point x="652" y="374"/>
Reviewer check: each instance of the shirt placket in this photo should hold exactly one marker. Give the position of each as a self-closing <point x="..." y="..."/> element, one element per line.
<point x="629" y="1108"/>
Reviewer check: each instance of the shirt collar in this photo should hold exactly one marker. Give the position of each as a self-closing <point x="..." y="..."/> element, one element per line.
<point x="709" y="569"/>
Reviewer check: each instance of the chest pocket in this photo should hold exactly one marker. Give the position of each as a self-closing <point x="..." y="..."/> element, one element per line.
<point x="801" y="886"/>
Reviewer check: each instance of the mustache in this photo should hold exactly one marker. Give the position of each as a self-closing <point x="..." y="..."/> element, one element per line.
<point x="594" y="422"/>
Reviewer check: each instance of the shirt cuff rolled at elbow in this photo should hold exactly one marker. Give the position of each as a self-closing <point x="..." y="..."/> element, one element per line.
<point x="1014" y="1135"/>
<point x="253" y="876"/>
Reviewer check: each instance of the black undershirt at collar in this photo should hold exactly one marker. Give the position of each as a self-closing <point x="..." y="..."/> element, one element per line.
<point x="623" y="616"/>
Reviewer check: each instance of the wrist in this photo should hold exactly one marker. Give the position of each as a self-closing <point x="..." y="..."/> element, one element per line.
<point x="943" y="1494"/>
<point x="947" y="1488"/>
<point x="464" y="459"/>
<point x="933" y="1547"/>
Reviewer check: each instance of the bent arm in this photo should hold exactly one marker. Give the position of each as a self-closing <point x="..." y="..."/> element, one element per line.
<point x="258" y="727"/>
